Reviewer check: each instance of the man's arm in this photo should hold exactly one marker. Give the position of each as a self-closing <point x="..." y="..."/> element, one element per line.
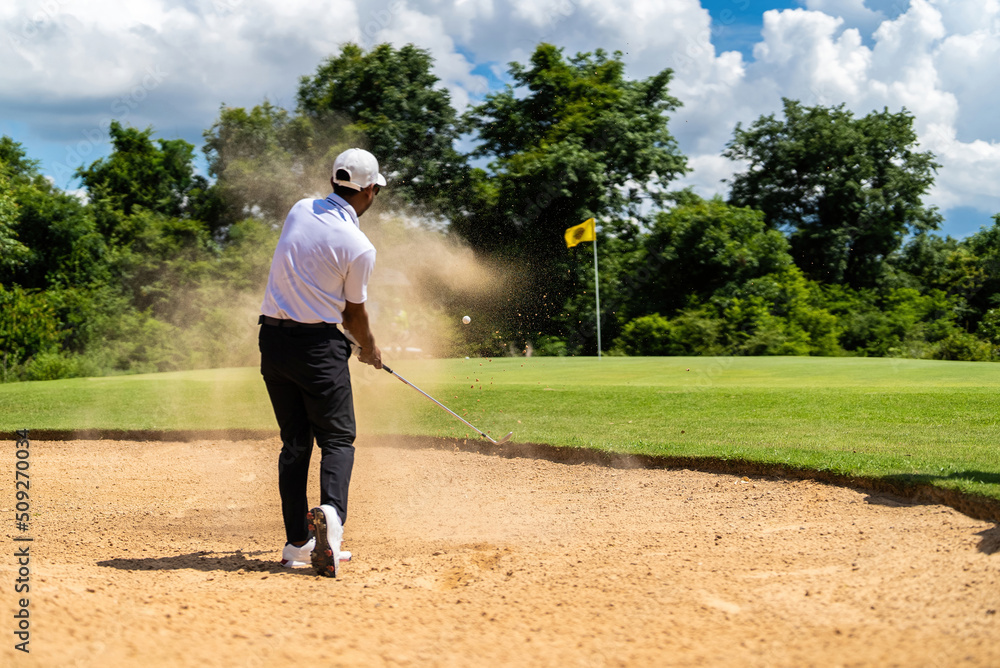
<point x="356" y="322"/>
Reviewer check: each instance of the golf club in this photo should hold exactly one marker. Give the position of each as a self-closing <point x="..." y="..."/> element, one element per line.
<point x="488" y="438"/>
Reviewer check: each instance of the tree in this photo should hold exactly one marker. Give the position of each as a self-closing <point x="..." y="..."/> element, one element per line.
<point x="570" y="139"/>
<point x="157" y="178"/>
<point x="726" y="285"/>
<point x="983" y="292"/>
<point x="263" y="161"/>
<point x="28" y="327"/>
<point x="896" y="322"/>
<point x="15" y="163"/>
<point x="388" y="100"/>
<point x="967" y="270"/>
<point x="846" y="190"/>
<point x="700" y="246"/>
<point x="47" y="237"/>
<point x="63" y="245"/>
<point x="776" y="314"/>
<point x="781" y="313"/>
<point x="12" y="251"/>
<point x="929" y="260"/>
<point x="16" y="170"/>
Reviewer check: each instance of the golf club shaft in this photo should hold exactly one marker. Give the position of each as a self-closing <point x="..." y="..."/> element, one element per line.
<point x="467" y="423"/>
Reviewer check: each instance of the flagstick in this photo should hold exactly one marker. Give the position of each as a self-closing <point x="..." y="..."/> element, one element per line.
<point x="597" y="296"/>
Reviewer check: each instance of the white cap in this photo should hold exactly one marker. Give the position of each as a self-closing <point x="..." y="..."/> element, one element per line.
<point x="361" y="167"/>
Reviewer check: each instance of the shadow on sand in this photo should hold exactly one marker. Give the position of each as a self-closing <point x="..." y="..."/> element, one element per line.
<point x="990" y="544"/>
<point x="230" y="562"/>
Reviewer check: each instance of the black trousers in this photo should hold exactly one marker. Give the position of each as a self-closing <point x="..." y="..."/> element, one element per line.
<point x="308" y="380"/>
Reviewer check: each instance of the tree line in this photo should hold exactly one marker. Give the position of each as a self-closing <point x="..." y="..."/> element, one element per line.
<point x="822" y="247"/>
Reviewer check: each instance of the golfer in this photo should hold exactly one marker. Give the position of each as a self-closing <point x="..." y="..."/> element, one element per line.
<point x="319" y="280"/>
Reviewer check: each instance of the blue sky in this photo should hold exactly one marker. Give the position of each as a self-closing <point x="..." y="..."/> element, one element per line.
<point x="69" y="66"/>
<point x="736" y="24"/>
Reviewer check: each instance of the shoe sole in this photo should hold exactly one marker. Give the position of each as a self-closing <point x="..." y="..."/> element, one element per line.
<point x="323" y="561"/>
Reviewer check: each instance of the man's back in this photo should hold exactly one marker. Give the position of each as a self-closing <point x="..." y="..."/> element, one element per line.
<point x="322" y="260"/>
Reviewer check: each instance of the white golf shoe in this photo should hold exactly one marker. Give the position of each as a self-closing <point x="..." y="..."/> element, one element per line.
<point x="324" y="522"/>
<point x="300" y="557"/>
<point x="297" y="557"/>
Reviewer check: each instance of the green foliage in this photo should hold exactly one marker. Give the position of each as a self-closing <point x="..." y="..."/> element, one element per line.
<point x="14" y="162"/>
<point x="388" y="100"/>
<point x="777" y="314"/>
<point x="141" y="174"/>
<point x="87" y="314"/>
<point x="28" y="327"/>
<point x="845" y="189"/>
<point x="699" y="247"/>
<point x="53" y="365"/>
<point x="725" y="284"/>
<point x="117" y="284"/>
<point x="550" y="346"/>
<point x="900" y="322"/>
<point x="964" y="347"/>
<point x="968" y="271"/>
<point x="59" y="232"/>
<point x="12" y="251"/>
<point x="932" y="262"/>
<point x="981" y="290"/>
<point x="47" y="237"/>
<point x="570" y="139"/>
<point x="989" y="327"/>
<point x="244" y="262"/>
<point x="264" y="160"/>
<point x="647" y="335"/>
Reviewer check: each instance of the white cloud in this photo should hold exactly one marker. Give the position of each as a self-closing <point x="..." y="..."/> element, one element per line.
<point x="962" y="17"/>
<point x="807" y="54"/>
<point x="966" y="62"/>
<point x="202" y="54"/>
<point x="921" y="60"/>
<point x="855" y="13"/>
<point x="708" y="171"/>
<point x="969" y="170"/>
<point x="66" y="66"/>
<point x="453" y="69"/>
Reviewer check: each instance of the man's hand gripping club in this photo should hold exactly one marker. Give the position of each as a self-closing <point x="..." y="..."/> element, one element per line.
<point x="360" y="334"/>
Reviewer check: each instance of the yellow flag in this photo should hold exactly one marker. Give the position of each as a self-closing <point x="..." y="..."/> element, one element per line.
<point x="580" y="233"/>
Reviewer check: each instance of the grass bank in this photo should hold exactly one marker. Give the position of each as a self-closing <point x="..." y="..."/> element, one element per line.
<point x="909" y="420"/>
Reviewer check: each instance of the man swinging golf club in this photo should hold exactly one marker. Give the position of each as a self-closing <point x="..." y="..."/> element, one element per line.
<point x="319" y="280"/>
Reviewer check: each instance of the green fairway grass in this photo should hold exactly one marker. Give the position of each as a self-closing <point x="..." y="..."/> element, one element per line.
<point x="911" y="420"/>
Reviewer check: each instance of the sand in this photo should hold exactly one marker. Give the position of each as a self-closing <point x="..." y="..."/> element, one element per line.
<point x="166" y="554"/>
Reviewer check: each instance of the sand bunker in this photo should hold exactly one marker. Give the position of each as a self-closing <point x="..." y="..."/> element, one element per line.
<point x="165" y="554"/>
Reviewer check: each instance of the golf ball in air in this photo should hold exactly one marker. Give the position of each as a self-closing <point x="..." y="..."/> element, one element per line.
<point x="466" y="319"/>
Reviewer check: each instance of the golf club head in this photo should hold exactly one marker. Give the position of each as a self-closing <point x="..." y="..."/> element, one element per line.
<point x="504" y="439"/>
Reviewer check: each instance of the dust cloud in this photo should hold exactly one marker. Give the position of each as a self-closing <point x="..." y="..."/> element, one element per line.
<point x="423" y="284"/>
<point x="424" y="281"/>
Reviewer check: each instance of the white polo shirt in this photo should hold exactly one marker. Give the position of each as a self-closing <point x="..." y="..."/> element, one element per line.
<point x="323" y="260"/>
